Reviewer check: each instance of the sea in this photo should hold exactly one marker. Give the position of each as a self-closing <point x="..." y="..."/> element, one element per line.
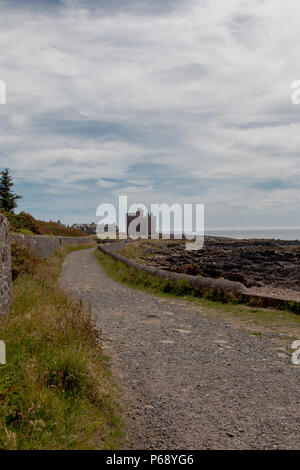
<point x="277" y="234"/>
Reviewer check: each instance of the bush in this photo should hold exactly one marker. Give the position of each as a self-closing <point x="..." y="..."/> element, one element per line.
<point x="52" y="228"/>
<point x="23" y="221"/>
<point x="23" y="261"/>
<point x="28" y="225"/>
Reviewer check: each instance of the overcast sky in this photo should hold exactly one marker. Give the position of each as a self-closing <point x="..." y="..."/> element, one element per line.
<point x="161" y="100"/>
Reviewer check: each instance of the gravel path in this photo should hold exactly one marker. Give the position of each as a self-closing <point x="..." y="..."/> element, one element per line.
<point x="189" y="381"/>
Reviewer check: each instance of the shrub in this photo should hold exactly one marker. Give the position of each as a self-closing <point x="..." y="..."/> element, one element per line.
<point x="28" y="225"/>
<point x="23" y="261"/>
<point x="22" y="221"/>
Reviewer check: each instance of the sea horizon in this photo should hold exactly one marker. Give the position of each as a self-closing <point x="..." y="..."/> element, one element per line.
<point x="248" y="233"/>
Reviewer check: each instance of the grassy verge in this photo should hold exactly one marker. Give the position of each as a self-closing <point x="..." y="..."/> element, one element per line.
<point x="55" y="390"/>
<point x="255" y="320"/>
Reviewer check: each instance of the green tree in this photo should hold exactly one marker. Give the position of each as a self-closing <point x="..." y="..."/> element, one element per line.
<point x="8" y="199"/>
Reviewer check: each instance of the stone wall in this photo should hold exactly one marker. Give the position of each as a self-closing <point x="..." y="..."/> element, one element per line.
<point x="220" y="286"/>
<point x="5" y="267"/>
<point x="44" y="246"/>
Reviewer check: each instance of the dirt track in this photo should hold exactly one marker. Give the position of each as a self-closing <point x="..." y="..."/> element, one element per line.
<point x="190" y="381"/>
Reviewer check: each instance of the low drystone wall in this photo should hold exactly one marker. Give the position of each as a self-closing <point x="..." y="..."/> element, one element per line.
<point x="220" y="286"/>
<point x="43" y="246"/>
<point x="232" y="289"/>
<point x="5" y="267"/>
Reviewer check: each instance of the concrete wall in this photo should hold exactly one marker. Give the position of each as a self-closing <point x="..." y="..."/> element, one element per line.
<point x="44" y="246"/>
<point x="5" y="267"/>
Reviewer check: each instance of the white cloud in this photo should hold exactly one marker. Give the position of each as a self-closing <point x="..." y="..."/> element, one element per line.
<point x="203" y="90"/>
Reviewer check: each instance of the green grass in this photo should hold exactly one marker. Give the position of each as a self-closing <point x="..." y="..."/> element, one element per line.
<point x="265" y="320"/>
<point x="25" y="231"/>
<point x="56" y="390"/>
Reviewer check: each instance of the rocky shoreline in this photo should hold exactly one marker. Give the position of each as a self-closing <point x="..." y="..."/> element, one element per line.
<point x="264" y="266"/>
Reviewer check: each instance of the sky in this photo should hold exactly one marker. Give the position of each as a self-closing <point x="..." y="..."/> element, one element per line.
<point x="164" y="101"/>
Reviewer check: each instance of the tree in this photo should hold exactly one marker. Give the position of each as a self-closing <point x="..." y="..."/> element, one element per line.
<point x="8" y="199"/>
